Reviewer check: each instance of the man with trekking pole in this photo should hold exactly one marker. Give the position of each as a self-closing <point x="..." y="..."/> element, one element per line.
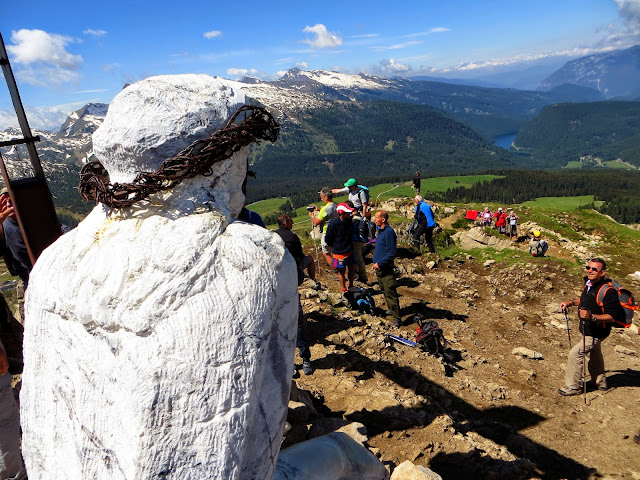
<point x="595" y="325"/>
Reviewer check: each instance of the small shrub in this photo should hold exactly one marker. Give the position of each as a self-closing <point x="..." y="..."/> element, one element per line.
<point x="462" y="223"/>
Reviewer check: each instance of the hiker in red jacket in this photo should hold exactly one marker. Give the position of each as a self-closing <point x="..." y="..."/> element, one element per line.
<point x="501" y="220"/>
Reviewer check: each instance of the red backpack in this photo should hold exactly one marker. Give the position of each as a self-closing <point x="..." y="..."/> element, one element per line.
<point x="627" y="303"/>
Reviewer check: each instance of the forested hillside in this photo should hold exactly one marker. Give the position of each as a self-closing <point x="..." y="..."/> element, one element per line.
<point x="617" y="190"/>
<point x="370" y="140"/>
<point x="595" y="132"/>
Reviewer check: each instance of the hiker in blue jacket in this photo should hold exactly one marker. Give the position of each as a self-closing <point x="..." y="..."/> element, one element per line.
<point x="383" y="264"/>
<point x="426" y="223"/>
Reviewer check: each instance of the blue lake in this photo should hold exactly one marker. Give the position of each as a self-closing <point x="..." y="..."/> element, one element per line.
<point x="505" y="140"/>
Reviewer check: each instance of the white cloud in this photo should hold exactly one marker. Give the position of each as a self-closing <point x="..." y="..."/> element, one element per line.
<point x="390" y="67"/>
<point x="525" y="58"/>
<point x="280" y="73"/>
<point x="382" y="48"/>
<point x="46" y="75"/>
<point x="38" y="46"/>
<point x="241" y="72"/>
<point x="301" y="65"/>
<point x="366" y="35"/>
<point x="42" y="57"/>
<point x="42" y="118"/>
<point x="212" y="34"/>
<point x="323" y="37"/>
<point x="95" y="33"/>
<point x="429" y="32"/>
<point x="630" y="13"/>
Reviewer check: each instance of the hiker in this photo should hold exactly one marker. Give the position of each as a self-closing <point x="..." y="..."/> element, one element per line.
<point x="383" y="264"/>
<point x="248" y="216"/>
<point x="358" y="195"/>
<point x="512" y="222"/>
<point x="292" y="242"/>
<point x="340" y="238"/>
<point x="416" y="183"/>
<point x="323" y="218"/>
<point x="501" y="220"/>
<point x="595" y="326"/>
<point x="538" y="246"/>
<point x="358" y="245"/>
<point x="19" y="262"/>
<point x="11" y="465"/>
<point x="486" y="217"/>
<point x="426" y="223"/>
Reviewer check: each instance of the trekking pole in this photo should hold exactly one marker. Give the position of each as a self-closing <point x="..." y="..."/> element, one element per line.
<point x="584" y="366"/>
<point x="566" y="318"/>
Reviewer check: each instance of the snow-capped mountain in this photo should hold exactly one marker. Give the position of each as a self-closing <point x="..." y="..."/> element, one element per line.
<point x="71" y="145"/>
<point x="614" y="74"/>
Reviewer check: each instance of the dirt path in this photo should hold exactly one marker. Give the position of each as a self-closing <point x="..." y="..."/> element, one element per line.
<point x="499" y="415"/>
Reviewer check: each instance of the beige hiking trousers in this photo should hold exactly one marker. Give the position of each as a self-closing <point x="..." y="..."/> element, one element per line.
<point x="573" y="376"/>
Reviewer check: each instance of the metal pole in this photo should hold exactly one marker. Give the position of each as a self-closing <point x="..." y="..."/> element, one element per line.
<point x="566" y="318"/>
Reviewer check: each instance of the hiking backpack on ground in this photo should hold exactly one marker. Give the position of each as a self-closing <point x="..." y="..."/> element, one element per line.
<point x="360" y="299"/>
<point x="625" y="297"/>
<point x="430" y="337"/>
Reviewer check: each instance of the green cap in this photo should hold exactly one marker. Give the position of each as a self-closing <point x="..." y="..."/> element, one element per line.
<point x="350" y="183"/>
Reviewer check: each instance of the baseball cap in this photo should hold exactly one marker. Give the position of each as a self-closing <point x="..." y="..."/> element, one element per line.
<point x="500" y="209"/>
<point x="343" y="207"/>
<point x="536" y="233"/>
<point x="350" y="183"/>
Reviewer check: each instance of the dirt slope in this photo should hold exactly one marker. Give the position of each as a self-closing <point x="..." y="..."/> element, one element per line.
<point x="499" y="415"/>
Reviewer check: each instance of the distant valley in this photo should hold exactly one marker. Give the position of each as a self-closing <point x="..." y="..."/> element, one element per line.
<point x="336" y="126"/>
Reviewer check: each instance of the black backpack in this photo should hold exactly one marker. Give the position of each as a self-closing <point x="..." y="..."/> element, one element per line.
<point x="360" y="299"/>
<point x="430" y="337"/>
<point x="366" y="229"/>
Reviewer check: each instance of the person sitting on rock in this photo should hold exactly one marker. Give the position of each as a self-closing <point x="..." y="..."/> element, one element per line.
<point x="537" y="246"/>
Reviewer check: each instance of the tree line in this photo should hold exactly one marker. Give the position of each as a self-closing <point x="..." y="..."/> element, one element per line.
<point x="618" y="190"/>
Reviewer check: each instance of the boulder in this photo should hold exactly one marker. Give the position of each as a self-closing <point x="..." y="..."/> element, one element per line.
<point x="408" y="471"/>
<point x="160" y="338"/>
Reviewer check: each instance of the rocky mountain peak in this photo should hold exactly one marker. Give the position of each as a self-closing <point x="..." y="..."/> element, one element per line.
<point x="614" y="74"/>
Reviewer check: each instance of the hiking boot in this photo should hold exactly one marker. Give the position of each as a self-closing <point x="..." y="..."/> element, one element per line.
<point x="397" y="322"/>
<point x="568" y="392"/>
<point x="307" y="369"/>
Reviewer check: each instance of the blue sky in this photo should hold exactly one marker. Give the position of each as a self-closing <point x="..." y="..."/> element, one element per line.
<point x="67" y="54"/>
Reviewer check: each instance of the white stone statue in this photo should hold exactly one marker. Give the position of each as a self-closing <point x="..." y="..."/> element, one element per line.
<point x="159" y="338"/>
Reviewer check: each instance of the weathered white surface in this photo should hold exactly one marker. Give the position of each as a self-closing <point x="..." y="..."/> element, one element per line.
<point x="159" y="339"/>
<point x="335" y="456"/>
<point x="156" y="118"/>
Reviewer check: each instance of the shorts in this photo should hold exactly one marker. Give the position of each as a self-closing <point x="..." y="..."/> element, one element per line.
<point x="326" y="249"/>
<point x="341" y="261"/>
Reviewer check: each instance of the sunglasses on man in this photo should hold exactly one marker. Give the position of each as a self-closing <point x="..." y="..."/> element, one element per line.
<point x="593" y="269"/>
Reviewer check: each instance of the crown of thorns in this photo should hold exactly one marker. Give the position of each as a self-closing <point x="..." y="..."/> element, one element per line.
<point x="255" y="124"/>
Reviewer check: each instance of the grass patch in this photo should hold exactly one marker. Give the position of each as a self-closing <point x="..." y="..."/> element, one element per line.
<point x="560" y="203"/>
<point x="574" y="164"/>
<point x="267" y="207"/>
<point x="619" y="164"/>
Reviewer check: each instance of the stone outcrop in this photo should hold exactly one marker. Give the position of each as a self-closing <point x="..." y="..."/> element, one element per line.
<point x="160" y="338"/>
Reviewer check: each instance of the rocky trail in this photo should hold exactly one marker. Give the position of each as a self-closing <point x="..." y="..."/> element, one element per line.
<point x="498" y="415"/>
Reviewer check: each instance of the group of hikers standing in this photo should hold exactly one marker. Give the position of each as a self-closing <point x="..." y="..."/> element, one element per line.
<point x="506" y="223"/>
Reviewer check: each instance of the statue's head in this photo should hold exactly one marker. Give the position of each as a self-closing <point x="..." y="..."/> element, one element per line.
<point x="156" y="118"/>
